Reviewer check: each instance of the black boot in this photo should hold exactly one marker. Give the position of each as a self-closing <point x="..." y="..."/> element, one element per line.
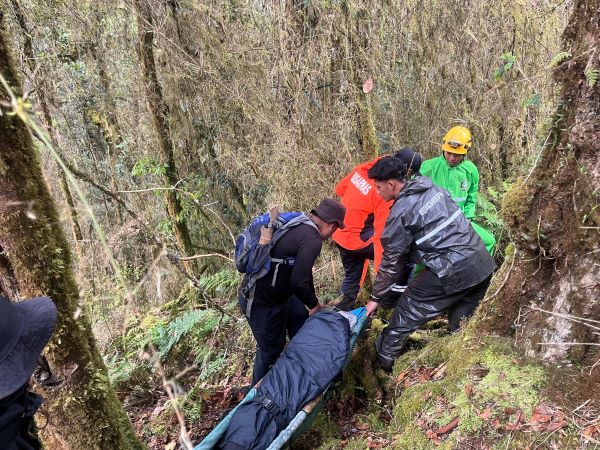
<point x="385" y="365"/>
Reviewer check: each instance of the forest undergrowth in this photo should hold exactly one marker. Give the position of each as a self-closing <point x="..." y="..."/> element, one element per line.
<point x="465" y="390"/>
<point x="162" y="128"/>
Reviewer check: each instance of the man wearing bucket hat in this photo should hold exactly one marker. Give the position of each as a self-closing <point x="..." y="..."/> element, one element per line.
<point x="283" y="298"/>
<point x="25" y="329"/>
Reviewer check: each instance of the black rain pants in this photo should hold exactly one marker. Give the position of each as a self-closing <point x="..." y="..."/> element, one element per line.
<point x="16" y="420"/>
<point x="270" y="324"/>
<point x="423" y="300"/>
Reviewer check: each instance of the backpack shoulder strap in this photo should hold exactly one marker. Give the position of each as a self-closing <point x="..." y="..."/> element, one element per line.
<point x="283" y="229"/>
<point x="300" y="219"/>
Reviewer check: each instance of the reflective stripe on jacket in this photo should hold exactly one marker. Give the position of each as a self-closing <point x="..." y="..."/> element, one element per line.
<point x="428" y="227"/>
<point x="462" y="181"/>
<point x="366" y="211"/>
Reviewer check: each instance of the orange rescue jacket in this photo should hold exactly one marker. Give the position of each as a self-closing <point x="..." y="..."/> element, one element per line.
<point x="366" y="212"/>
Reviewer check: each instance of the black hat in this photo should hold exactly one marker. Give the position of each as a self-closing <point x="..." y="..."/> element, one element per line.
<point x="25" y="329"/>
<point x="331" y="211"/>
<point x="410" y="158"/>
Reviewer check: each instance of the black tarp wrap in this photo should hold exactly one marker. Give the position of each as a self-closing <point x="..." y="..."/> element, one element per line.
<point x="310" y="362"/>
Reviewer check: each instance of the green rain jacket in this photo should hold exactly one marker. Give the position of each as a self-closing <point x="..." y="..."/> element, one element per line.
<point x="462" y="181"/>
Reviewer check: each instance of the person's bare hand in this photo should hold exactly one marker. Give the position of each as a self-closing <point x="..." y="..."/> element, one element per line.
<point x="371" y="307"/>
<point x="314" y="310"/>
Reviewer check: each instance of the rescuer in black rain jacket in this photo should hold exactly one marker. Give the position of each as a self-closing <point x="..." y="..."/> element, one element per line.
<point x="426" y="226"/>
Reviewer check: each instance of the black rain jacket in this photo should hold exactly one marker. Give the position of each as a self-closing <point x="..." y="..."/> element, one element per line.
<point x="426" y="226"/>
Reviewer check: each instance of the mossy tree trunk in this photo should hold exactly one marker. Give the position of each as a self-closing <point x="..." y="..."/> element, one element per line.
<point x="43" y="92"/>
<point x="159" y="112"/>
<point x="106" y="120"/>
<point x="202" y="134"/>
<point x="356" y="49"/>
<point x="83" y="408"/>
<point x="554" y="216"/>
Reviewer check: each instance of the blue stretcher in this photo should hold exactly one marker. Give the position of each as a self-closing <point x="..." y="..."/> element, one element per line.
<point x="303" y="419"/>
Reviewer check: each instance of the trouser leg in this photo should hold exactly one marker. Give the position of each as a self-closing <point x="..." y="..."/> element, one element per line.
<point x="488" y="238"/>
<point x="353" y="262"/>
<point x="408" y="315"/>
<point x="296" y="316"/>
<point x="466" y="306"/>
<point x="423" y="300"/>
<point x="268" y="325"/>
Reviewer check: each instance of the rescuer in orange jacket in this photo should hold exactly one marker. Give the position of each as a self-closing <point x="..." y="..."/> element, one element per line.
<point x="366" y="213"/>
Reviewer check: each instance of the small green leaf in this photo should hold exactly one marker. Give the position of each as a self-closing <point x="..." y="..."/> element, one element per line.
<point x="508" y="61"/>
<point x="147" y="166"/>
<point x="534" y="101"/>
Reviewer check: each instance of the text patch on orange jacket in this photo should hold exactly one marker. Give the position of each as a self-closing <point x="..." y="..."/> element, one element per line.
<point x="366" y="211"/>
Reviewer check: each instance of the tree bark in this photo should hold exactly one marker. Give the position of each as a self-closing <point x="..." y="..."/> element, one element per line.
<point x="107" y="121"/>
<point x="554" y="218"/>
<point x="83" y="408"/>
<point x="43" y="92"/>
<point x="159" y="111"/>
<point x="356" y="51"/>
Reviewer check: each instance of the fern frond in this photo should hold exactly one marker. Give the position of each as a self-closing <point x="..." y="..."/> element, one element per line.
<point x="559" y="58"/>
<point x="170" y="335"/>
<point x="220" y="282"/>
<point x="591" y="76"/>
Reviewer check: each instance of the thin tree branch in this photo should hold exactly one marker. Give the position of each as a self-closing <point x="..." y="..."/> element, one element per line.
<point x="84" y="177"/>
<point x="175" y="260"/>
<point x="188" y="258"/>
<point x="139" y="191"/>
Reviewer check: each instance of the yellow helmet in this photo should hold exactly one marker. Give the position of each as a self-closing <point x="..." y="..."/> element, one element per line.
<point x="457" y="140"/>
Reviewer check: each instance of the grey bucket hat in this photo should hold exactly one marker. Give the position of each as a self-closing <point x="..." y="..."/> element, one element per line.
<point x="25" y="329"/>
<point x="331" y="211"/>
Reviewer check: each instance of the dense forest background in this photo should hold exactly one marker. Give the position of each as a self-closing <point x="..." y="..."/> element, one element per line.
<point x="163" y="126"/>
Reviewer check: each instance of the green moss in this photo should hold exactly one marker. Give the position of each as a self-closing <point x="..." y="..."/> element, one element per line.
<point x="162" y="424"/>
<point x="515" y="203"/>
<point x="373" y="418"/>
<point x="410" y="404"/>
<point x="325" y="427"/>
<point x="512" y="382"/>
<point x="330" y="444"/>
<point x="499" y="378"/>
<point x="509" y="251"/>
<point x="412" y="437"/>
<point x="434" y="354"/>
<point x="359" y="444"/>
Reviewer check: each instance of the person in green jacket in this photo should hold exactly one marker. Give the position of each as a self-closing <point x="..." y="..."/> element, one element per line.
<point x="459" y="177"/>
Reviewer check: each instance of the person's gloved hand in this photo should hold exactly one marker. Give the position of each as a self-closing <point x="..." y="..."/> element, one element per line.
<point x="371" y="307"/>
<point x="314" y="310"/>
